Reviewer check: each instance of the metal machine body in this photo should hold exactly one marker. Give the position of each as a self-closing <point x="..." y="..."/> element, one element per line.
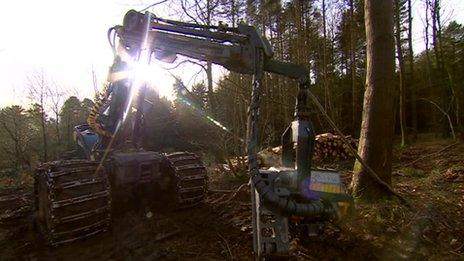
<point x="278" y="195"/>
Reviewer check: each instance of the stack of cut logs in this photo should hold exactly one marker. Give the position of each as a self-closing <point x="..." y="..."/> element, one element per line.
<point x="328" y="147"/>
<point x="331" y="147"/>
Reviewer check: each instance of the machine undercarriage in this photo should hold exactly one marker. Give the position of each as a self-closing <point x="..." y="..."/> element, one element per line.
<point x="74" y="198"/>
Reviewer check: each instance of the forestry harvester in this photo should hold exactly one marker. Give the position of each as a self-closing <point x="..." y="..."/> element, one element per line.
<point x="74" y="197"/>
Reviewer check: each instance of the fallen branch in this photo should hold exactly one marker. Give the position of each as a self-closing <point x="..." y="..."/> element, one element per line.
<point x="224" y="192"/>
<point x="153" y="5"/>
<point x="220" y="191"/>
<point x="305" y="256"/>
<point x="430" y="155"/>
<point x="444" y="113"/>
<point x="218" y="199"/>
<point x="369" y="171"/>
<point x="190" y="253"/>
<point x="237" y="191"/>
<point x="166" y="235"/>
<point x="227" y="246"/>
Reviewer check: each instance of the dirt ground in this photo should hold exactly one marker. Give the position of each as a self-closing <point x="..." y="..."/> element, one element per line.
<point x="430" y="175"/>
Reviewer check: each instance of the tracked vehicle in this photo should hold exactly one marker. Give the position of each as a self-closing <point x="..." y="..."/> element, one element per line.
<point x="73" y="197"/>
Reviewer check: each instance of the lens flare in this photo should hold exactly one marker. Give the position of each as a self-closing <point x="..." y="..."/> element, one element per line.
<point x="203" y="115"/>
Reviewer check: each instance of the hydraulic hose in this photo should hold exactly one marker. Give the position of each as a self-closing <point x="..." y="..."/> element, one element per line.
<point x="100" y="99"/>
<point x="289" y="206"/>
<point x="270" y="199"/>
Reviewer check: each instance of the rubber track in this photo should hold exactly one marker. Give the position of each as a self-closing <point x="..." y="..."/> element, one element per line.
<point x="72" y="200"/>
<point x="190" y="178"/>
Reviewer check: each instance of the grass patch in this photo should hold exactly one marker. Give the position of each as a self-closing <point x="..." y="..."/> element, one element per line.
<point x="412" y="172"/>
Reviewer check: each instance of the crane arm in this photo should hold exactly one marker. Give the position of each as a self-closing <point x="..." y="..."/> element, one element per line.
<point x="233" y="48"/>
<point x="240" y="49"/>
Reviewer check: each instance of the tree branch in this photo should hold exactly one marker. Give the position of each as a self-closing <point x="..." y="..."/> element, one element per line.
<point x="153" y="5"/>
<point x="444" y="113"/>
<point x="186" y="12"/>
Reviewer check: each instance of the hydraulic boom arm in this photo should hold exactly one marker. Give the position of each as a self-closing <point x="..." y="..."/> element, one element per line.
<point x="233" y="48"/>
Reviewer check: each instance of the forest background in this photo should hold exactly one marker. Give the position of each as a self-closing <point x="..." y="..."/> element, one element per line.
<point x="327" y="36"/>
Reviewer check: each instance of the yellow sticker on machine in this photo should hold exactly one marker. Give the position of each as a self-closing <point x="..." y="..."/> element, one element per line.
<point x="329" y="188"/>
<point x="326" y="181"/>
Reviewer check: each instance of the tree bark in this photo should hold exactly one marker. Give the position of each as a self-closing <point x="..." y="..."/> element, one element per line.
<point x="209" y="67"/>
<point x="377" y="128"/>
<point x="440" y="69"/>
<point x="354" y="87"/>
<point x="411" y="71"/>
<point x="43" y="118"/>
<point x="209" y="76"/>
<point x="400" y="57"/>
<point x="429" y="71"/>
<point x="327" y="103"/>
<point x="44" y="134"/>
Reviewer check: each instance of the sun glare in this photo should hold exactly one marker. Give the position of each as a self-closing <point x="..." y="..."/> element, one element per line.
<point x="156" y="77"/>
<point x="151" y="75"/>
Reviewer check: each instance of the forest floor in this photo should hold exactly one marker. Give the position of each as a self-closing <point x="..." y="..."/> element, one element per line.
<point x="429" y="174"/>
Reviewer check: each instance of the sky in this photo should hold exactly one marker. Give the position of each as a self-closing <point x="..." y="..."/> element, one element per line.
<point x="67" y="41"/>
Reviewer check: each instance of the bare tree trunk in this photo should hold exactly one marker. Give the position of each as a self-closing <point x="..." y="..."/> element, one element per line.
<point x="233" y="12"/>
<point x="429" y="71"/>
<point x="209" y="76"/>
<point x="440" y="70"/>
<point x="411" y="71"/>
<point x="376" y="141"/>
<point x="354" y="87"/>
<point x="44" y="134"/>
<point x="17" y="145"/>
<point x="57" y="128"/>
<point x="38" y="89"/>
<point x="202" y="13"/>
<point x="43" y="118"/>
<point x="399" y="51"/>
<point x="324" y="61"/>
<point x="209" y="69"/>
<point x="55" y="98"/>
